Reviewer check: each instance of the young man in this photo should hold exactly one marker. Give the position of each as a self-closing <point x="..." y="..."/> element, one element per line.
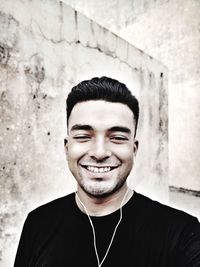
<point x="105" y="223"/>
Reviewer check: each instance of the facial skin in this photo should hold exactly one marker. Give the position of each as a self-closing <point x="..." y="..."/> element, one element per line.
<point x="101" y="146"/>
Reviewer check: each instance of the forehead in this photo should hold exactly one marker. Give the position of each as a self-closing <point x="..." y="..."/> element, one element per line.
<point x="101" y="114"/>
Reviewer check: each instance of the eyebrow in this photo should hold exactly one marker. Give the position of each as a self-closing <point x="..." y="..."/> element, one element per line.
<point x="81" y="127"/>
<point x="119" y="129"/>
<point x="86" y="127"/>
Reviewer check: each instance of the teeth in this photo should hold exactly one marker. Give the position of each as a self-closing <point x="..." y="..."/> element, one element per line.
<point x="98" y="170"/>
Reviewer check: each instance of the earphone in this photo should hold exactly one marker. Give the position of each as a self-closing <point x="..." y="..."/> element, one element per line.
<point x="93" y="229"/>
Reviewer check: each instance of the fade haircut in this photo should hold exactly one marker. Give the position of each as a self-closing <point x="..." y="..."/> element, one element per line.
<point x="102" y="88"/>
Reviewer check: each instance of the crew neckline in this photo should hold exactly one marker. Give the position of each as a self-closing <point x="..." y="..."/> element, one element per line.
<point x="107" y="216"/>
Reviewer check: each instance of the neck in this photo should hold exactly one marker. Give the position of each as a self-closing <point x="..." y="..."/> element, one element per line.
<point x="97" y="206"/>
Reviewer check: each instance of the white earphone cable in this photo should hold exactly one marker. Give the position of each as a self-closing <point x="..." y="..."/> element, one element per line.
<point x="93" y="230"/>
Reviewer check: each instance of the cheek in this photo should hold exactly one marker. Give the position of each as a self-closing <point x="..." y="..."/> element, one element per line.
<point x="76" y="150"/>
<point x="124" y="152"/>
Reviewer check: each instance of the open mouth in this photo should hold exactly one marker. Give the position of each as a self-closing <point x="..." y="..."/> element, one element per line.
<point x="96" y="169"/>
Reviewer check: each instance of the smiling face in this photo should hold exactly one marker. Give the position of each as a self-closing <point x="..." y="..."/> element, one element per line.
<point x="101" y="146"/>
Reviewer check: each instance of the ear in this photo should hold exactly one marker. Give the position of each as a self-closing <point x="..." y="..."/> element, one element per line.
<point x="135" y="147"/>
<point x="66" y="145"/>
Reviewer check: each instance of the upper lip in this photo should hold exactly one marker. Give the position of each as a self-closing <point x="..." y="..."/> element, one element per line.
<point x="100" y="166"/>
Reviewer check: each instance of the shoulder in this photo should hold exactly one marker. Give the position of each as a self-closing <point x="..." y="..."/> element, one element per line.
<point x="171" y="228"/>
<point x="52" y="210"/>
<point x="164" y="214"/>
<point x="171" y="224"/>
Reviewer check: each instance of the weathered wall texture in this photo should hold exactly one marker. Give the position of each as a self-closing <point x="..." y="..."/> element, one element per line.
<point x="114" y="14"/>
<point x="169" y="31"/>
<point x="46" y="47"/>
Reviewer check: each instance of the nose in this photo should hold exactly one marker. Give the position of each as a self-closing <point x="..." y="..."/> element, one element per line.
<point x="99" y="150"/>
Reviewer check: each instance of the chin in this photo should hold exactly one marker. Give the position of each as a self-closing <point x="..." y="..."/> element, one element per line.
<point x="100" y="189"/>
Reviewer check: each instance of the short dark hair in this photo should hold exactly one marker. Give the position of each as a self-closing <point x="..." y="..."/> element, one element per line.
<point x="102" y="88"/>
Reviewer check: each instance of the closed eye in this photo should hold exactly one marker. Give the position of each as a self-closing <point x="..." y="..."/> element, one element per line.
<point x="82" y="138"/>
<point x="119" y="139"/>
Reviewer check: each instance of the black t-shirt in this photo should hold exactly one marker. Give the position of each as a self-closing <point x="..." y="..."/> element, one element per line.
<point x="150" y="234"/>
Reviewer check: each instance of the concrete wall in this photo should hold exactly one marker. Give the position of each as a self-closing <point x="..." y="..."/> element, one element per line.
<point x="45" y="48"/>
<point x="114" y="14"/>
<point x="169" y="31"/>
